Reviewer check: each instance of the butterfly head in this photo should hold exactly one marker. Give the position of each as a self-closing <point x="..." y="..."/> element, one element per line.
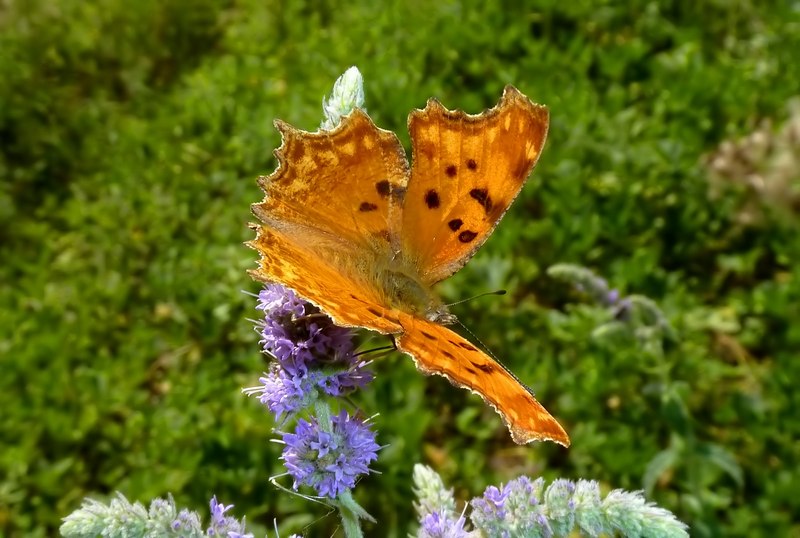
<point x="441" y="316"/>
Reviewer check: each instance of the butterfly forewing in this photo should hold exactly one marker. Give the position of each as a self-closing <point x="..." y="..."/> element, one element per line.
<point x="466" y="170"/>
<point x="347" y="184"/>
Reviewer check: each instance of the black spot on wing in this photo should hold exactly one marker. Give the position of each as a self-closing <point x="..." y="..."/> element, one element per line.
<point x="428" y="335"/>
<point x="386" y="188"/>
<point x="472" y="165"/>
<point x="383" y="188"/>
<point x="486" y="368"/>
<point x="455" y="224"/>
<point x="384" y="234"/>
<point x="432" y="199"/>
<point x="482" y="197"/>
<point x="366" y="207"/>
<point x="467" y="236"/>
<point x="523" y="168"/>
<point x="467" y="346"/>
<point x="451" y="170"/>
<point x="295" y="152"/>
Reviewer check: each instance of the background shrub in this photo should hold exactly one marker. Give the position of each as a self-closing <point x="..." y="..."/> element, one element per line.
<point x="131" y="137"/>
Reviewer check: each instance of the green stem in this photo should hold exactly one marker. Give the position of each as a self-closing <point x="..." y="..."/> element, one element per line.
<point x="323" y="413"/>
<point x="350" y="512"/>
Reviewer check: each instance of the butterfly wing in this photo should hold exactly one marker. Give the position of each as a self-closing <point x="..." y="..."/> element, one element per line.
<point x="347" y="184"/>
<point x="331" y="209"/>
<point x="334" y="285"/>
<point x="438" y="350"/>
<point x="466" y="170"/>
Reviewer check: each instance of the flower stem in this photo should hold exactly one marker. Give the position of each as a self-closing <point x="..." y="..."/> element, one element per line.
<point x="350" y="512"/>
<point x="323" y="413"/>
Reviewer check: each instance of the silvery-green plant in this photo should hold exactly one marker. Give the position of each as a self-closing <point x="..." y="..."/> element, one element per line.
<point x="347" y="95"/>
<point x="525" y="508"/>
<point x="634" y="315"/>
<point x="122" y="519"/>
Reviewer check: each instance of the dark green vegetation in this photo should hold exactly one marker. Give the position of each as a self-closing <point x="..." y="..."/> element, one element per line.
<point x="131" y="136"/>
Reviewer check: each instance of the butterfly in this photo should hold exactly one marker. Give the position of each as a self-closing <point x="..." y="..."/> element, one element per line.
<point x="350" y="226"/>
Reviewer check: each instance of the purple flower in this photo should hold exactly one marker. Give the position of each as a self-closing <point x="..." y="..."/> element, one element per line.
<point x="222" y="525"/>
<point x="561" y="512"/>
<point x="623" y="310"/>
<point x="343" y="382"/>
<point x="492" y="504"/>
<point x="598" y="289"/>
<point x="560" y="490"/>
<point x="544" y="525"/>
<point x="284" y="393"/>
<point x="612" y="297"/>
<point x="296" y="333"/>
<point x="330" y="462"/>
<point x="496" y="497"/>
<point x="277" y="300"/>
<point x="493" y="501"/>
<point x="512" y="510"/>
<point x="439" y="525"/>
<point x="313" y="356"/>
<point x="186" y="520"/>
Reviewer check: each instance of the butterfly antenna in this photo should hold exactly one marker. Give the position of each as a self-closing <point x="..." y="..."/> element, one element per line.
<point x="472" y="334"/>
<point x="496" y="292"/>
<point x="484" y="294"/>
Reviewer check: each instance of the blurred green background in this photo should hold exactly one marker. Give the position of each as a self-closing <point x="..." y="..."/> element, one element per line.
<point x="132" y="134"/>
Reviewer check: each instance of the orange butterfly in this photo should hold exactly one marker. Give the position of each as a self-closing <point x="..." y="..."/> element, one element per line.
<point x="349" y="227"/>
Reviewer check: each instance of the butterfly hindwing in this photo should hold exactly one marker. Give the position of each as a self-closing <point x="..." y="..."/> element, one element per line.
<point x="330" y="282"/>
<point x="438" y="350"/>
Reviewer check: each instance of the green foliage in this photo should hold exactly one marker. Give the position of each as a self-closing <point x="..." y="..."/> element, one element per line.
<point x="131" y="137"/>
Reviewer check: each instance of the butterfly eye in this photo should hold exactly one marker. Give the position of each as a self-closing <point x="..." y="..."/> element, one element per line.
<point x="442" y="316"/>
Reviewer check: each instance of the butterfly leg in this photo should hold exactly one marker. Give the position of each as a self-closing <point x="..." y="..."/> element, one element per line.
<point x="392" y="347"/>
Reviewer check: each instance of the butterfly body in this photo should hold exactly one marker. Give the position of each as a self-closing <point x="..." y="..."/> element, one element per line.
<point x="350" y="226"/>
<point x="406" y="293"/>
